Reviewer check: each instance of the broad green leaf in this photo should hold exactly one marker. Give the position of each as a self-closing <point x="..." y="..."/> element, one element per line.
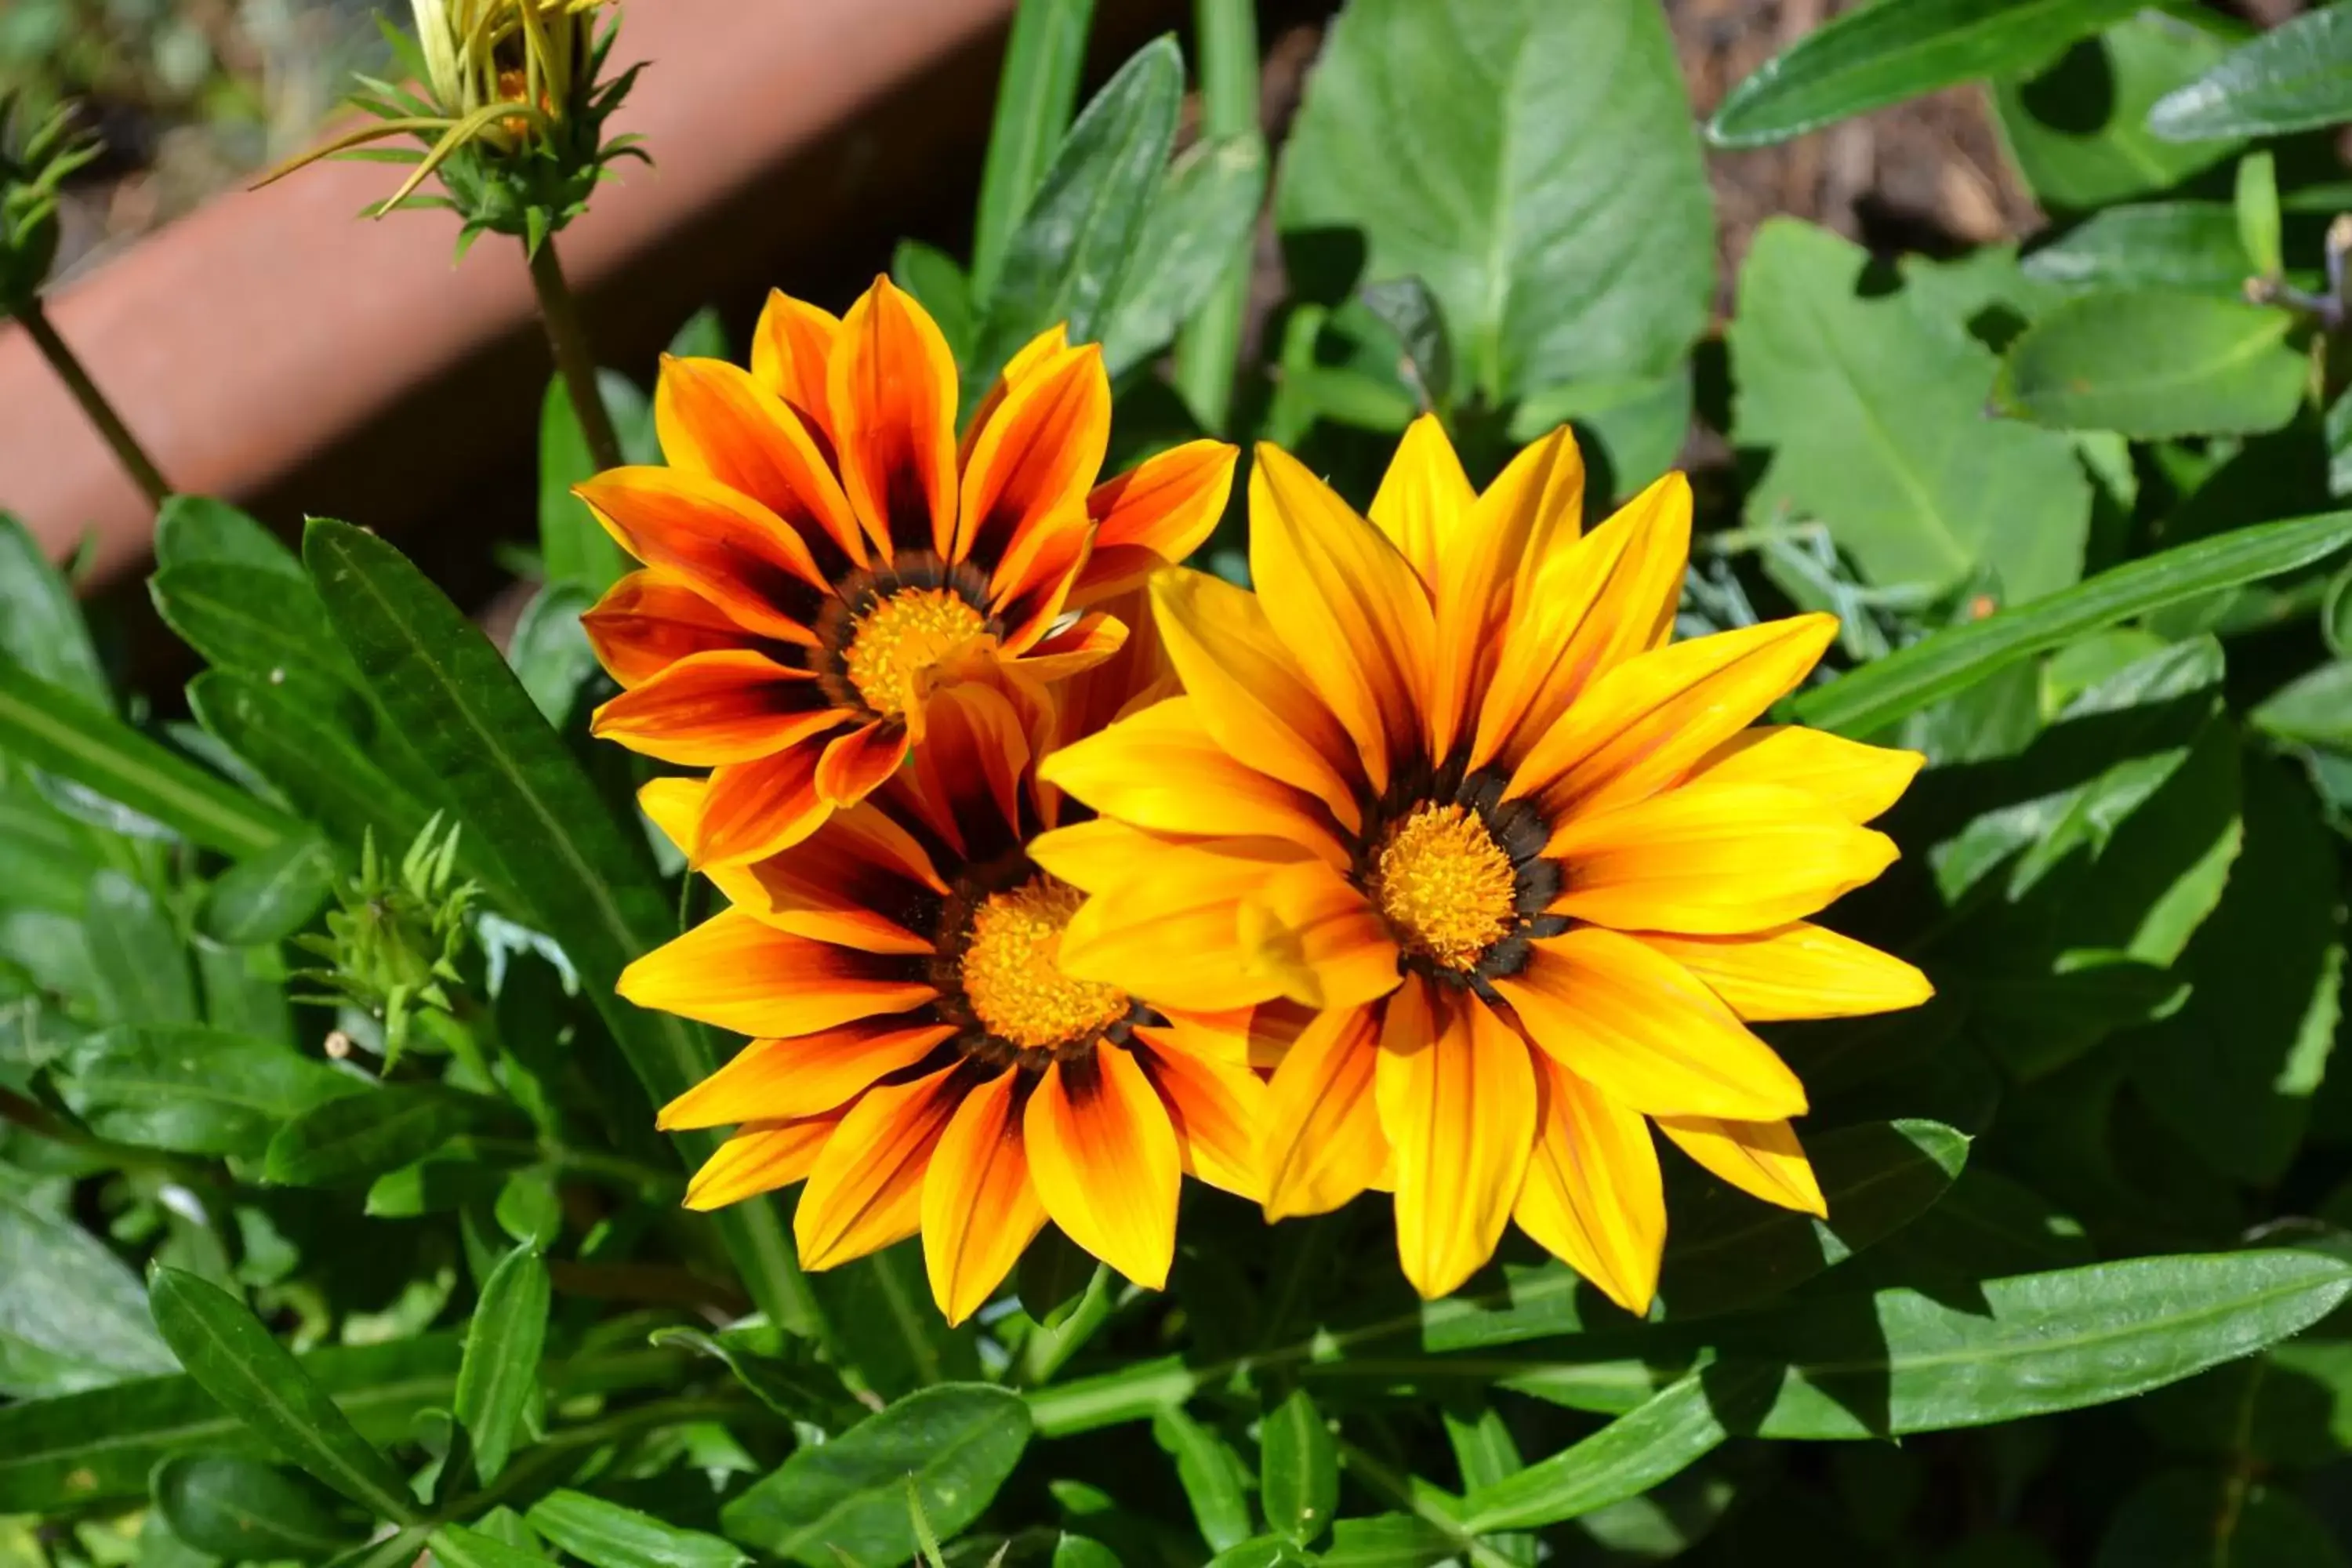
<point x="225" y="1348"/>
<point x="782" y="1373"/>
<point x="197" y="531"/>
<point x="524" y="803"/>
<point x="54" y="729"/>
<point x="1534" y="164"/>
<point x="573" y="545"/>
<point x="243" y="1510"/>
<point x="1065" y="261"/>
<point x="2153" y="364"/>
<point x="1896" y="49"/>
<point x="191" y="1089"/>
<point x="607" y="1535"/>
<point x="253" y="620"/>
<point x="328" y="776"/>
<point x="2195" y="1520"/>
<point x="61" y="1454"/>
<point x="1867" y="700"/>
<point x="244" y="991"/>
<point x="458" y="1547"/>
<point x="1387" y="1541"/>
<point x="40" y="625"/>
<point x="958" y="1442"/>
<point x="2191" y="246"/>
<point x="139" y="954"/>
<point x="1210" y="1474"/>
<point x="1200" y="222"/>
<point x="72" y="1315"/>
<point x="272" y="896"/>
<point x="46" y="858"/>
<point x="1629" y="432"/>
<point x="2076" y="129"/>
<point x="1043" y="57"/>
<point x="496" y="1380"/>
<point x="1873" y="411"/>
<point x="2296" y="77"/>
<point x="2233" y="1072"/>
<point x="549" y="651"/>
<point x="1299" y="1470"/>
<point x="2315" y="709"/>
<point x="1665" y="1434"/>
<point x="355" y="1136"/>
<point x="528" y="1209"/>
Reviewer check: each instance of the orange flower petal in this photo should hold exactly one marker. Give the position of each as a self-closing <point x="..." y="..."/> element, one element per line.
<point x="1030" y="587"/>
<point x="1425" y="500"/>
<point x="1763" y="1159"/>
<point x="1858" y="782"/>
<point x="1104" y="1156"/>
<point x="644" y="624"/>
<point x="717" y="420"/>
<point x="865" y="1190"/>
<point x="808" y="1074"/>
<point x="966" y="780"/>
<point x="743" y="975"/>
<point x="1594" y="1197"/>
<point x="1796" y="970"/>
<point x="893" y="394"/>
<point x="1643" y="1030"/>
<point x="726" y="547"/>
<point x="1457" y="1103"/>
<point x="730" y="705"/>
<point x="1155" y="515"/>
<point x="854" y="766"/>
<point x="979" y="1208"/>
<point x="759" y="808"/>
<point x="858" y="881"/>
<point x="761" y="1158"/>
<point x="791" y="349"/>
<point x="1025" y="362"/>
<point x="1321" y="1142"/>
<point x="1037" y="455"/>
<point x="1216" y="1105"/>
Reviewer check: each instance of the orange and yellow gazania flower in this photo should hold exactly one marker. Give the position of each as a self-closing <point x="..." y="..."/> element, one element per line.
<point x="820" y="553"/>
<point x="1444" y="778"/>
<point x="917" y="1057"/>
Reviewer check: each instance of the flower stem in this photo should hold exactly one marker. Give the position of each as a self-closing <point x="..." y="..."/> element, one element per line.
<point x="60" y="355"/>
<point x="559" y="314"/>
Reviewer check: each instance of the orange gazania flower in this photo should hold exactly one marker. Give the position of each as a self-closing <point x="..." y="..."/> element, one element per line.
<point x="1443" y="778"/>
<point x="918" y="1056"/>
<point x="820" y="552"/>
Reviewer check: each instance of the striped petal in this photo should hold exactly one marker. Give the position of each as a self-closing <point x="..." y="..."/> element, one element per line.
<point x="1594" y="1198"/>
<point x="1858" y="782"/>
<point x="1425" y="500"/>
<point x="739" y="973"/>
<point x="1037" y="454"/>
<point x="892" y="389"/>
<point x="760" y="809"/>
<point x="1643" y="1030"/>
<point x="1763" y="1159"/>
<point x="1796" y="970"/>
<point x="645" y="623"/>
<point x="719" y="421"/>
<point x="1154" y="515"/>
<point x="1321" y="1143"/>
<point x="865" y="1190"/>
<point x="1457" y="1104"/>
<point x="1313" y="928"/>
<point x="860" y="880"/>
<point x="1175" y="935"/>
<point x="854" y="766"/>
<point x="1104" y="1156"/>
<point x="809" y="1075"/>
<point x="979" y="1208"/>
<point x="718" y="542"/>
<point x="761" y="1158"/>
<point x="1216" y="1106"/>
<point x="791" y="349"/>
<point x="730" y="705"/>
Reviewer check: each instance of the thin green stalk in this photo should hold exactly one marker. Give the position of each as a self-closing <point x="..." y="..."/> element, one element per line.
<point x="1421" y="1500"/>
<point x="1035" y="97"/>
<point x="1208" y="350"/>
<point x="70" y="370"/>
<point x="558" y="312"/>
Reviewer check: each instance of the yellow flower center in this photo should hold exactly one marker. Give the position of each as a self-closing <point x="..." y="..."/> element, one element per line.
<point x="1012" y="980"/>
<point x="1443" y="885"/>
<point x="901" y="636"/>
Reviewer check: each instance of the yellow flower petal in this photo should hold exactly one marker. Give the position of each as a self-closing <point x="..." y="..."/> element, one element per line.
<point x="1796" y="970"/>
<point x="1594" y="1197"/>
<point x="1760" y="1158"/>
<point x="1857" y="781"/>
<point x="1104" y="1159"/>
<point x="866" y="1191"/>
<point x="980" y="1209"/>
<point x="1321" y="1142"/>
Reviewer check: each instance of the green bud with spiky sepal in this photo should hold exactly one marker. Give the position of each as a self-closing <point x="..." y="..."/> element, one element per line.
<point x="31" y="172"/>
<point x="392" y="945"/>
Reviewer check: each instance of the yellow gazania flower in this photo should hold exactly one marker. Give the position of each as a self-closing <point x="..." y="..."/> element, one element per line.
<point x="1443" y="778"/>
<point x="819" y="554"/>
<point x="917" y="1056"/>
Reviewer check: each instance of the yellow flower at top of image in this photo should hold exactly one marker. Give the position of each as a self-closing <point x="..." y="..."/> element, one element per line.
<point x="918" y="1056"/>
<point x="1444" y="778"/>
<point x="821" y="552"/>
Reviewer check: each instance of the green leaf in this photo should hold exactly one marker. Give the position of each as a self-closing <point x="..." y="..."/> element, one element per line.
<point x="59" y="732"/>
<point x="2076" y="129"/>
<point x="197" y="531"/>
<point x="939" y="285"/>
<point x="958" y="1442"/>
<point x="2189" y="1519"/>
<point x="1867" y="700"/>
<point x="355" y="1136"/>
<point x="782" y="1373"/>
<point x="1067" y="260"/>
<point x="2296" y="77"/>
<point x="1039" y="87"/>
<point x="247" y="1512"/>
<point x="496" y="1380"/>
<point x="573" y="545"/>
<point x="460" y="1547"/>
<point x="882" y="1323"/>
<point x="235" y="1361"/>
<point x="40" y="625"/>
<point x="66" y="1453"/>
<point x="524" y="803"/>
<point x="1873" y="411"/>
<point x="72" y="1315"/>
<point x="1257" y="1552"/>
<point x="2315" y="709"/>
<point x="252" y="620"/>
<point x="1077" y="1552"/>
<point x="1200" y="223"/>
<point x="2189" y="246"/>
<point x="140" y="957"/>
<point x="1210" y="1474"/>
<point x="2154" y="363"/>
<point x="1299" y="1470"/>
<point x="272" y="896"/>
<point x="1534" y="164"/>
<point x="191" y="1089"/>
<point x="701" y="336"/>
<point x="1665" y="1434"/>
<point x="1387" y="1541"/>
<point x="327" y="775"/>
<point x="549" y="650"/>
<point x="2256" y="205"/>
<point x="1886" y="53"/>
<point x="607" y="1535"/>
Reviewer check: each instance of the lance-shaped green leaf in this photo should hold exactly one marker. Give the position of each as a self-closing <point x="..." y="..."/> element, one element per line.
<point x="1299" y="1470"/>
<point x="251" y="619"/>
<point x="40" y="625"/>
<point x="272" y="896"/>
<point x="501" y="1366"/>
<point x="2152" y="245"/>
<point x="225" y="1348"/>
<point x="244" y="1511"/>
<point x="1389" y="1541"/>
<point x="191" y="1089"/>
<point x="460" y="1547"/>
<point x="2296" y="77"/>
<point x="958" y="1443"/>
<point x="72" y="1315"/>
<point x="141" y="958"/>
<point x="1210" y="1474"/>
<point x="607" y="1535"/>
<point x="1035" y="96"/>
<point x="1200" y="222"/>
<point x="356" y="1136"/>
<point x="2153" y="364"/>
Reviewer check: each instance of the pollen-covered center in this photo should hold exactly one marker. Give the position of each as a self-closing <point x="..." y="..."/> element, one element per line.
<point x="1012" y="980"/>
<point x="1443" y="885"/>
<point x="902" y="635"/>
